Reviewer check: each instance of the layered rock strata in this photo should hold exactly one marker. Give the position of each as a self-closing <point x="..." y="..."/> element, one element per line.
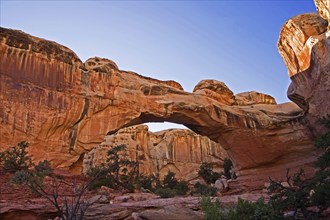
<point x="64" y="107"/>
<point x="177" y="150"/>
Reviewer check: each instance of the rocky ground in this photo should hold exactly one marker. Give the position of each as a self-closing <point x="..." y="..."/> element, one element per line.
<point x="18" y="202"/>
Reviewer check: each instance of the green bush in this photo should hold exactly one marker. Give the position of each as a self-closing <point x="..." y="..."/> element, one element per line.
<point x="243" y="210"/>
<point x="73" y="208"/>
<point x="181" y="188"/>
<point x="118" y="172"/>
<point x="165" y="192"/>
<point x="20" y="177"/>
<point x="102" y="181"/>
<point x="16" y="158"/>
<point x="211" y="210"/>
<point x="146" y="182"/>
<point x="170" y="186"/>
<point x="204" y="190"/>
<point x="169" y="180"/>
<point x="43" y="168"/>
<point x="206" y="172"/>
<point x="252" y="211"/>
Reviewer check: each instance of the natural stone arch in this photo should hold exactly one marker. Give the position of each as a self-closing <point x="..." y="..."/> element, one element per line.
<point x="63" y="107"/>
<point x="97" y="98"/>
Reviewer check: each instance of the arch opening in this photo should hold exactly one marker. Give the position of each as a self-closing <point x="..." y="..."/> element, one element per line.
<point x="160" y="126"/>
<point x="160" y="147"/>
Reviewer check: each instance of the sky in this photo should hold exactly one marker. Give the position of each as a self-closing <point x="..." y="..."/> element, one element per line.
<point x="186" y="41"/>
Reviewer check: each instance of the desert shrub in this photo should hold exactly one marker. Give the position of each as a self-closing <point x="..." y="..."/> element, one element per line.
<point x="98" y="171"/>
<point x="70" y="205"/>
<point x="203" y="190"/>
<point x="21" y="177"/>
<point x="169" y="180"/>
<point x="244" y="209"/>
<point x="146" y="182"/>
<point x="16" y="158"/>
<point x="118" y="171"/>
<point x="251" y="211"/>
<point x="293" y="197"/>
<point x="265" y="211"/>
<point x="211" y="210"/>
<point x="102" y="181"/>
<point x="207" y="173"/>
<point x="165" y="192"/>
<point x="170" y="186"/>
<point x="227" y="166"/>
<point x="181" y="188"/>
<point x="43" y="168"/>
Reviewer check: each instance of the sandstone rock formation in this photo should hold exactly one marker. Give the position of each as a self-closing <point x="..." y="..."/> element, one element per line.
<point x="297" y="38"/>
<point x="64" y="107"/>
<point x="304" y="44"/>
<point x="252" y="98"/>
<point x="178" y="150"/>
<point x="215" y="90"/>
<point x="222" y="94"/>
<point x="323" y="8"/>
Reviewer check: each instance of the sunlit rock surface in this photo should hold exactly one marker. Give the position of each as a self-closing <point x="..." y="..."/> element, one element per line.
<point x="64" y="107"/>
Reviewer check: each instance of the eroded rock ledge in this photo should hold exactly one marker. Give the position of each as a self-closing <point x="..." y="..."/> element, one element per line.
<point x="64" y="107"/>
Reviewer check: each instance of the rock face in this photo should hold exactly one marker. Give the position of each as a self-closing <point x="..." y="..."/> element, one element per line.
<point x="323" y="8"/>
<point x="297" y="38"/>
<point x="178" y="150"/>
<point x="64" y="107"/>
<point x="305" y="47"/>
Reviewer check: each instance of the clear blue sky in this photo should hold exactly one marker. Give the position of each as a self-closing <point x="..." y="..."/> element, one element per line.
<point x="187" y="41"/>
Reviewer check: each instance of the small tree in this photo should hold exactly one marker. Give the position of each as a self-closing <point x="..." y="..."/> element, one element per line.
<point x="70" y="206"/>
<point x="170" y="186"/>
<point x="207" y="173"/>
<point x="169" y="180"/>
<point x="181" y="188"/>
<point x="119" y="170"/>
<point x="291" y="197"/>
<point x="146" y="182"/>
<point x="16" y="158"/>
<point x="68" y="198"/>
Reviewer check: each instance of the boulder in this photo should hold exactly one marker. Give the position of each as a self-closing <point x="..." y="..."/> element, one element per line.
<point x="253" y="98"/>
<point x="215" y="90"/>
<point x="221" y="184"/>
